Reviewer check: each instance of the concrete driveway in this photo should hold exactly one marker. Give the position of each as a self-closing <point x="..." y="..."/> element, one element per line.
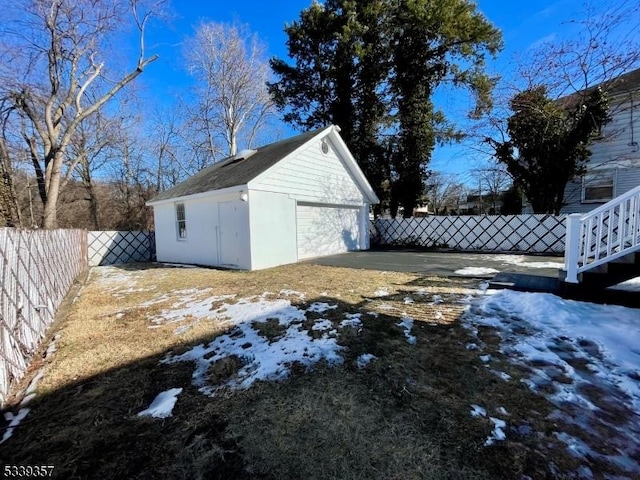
<point x="477" y="265"/>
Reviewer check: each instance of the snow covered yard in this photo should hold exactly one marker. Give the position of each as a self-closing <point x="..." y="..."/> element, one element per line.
<point x="318" y="372"/>
<point x="583" y="358"/>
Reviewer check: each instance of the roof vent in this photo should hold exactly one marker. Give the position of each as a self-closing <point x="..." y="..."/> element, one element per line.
<point x="243" y="154"/>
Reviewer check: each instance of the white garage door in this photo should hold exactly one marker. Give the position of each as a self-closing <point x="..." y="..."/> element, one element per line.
<point x="326" y="230"/>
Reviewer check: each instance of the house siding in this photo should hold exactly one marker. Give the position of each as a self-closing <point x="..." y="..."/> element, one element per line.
<point x="625" y="179"/>
<point x="201" y="246"/>
<point x="273" y="229"/>
<point x="312" y="176"/>
<point x="623" y="128"/>
<point x="612" y="151"/>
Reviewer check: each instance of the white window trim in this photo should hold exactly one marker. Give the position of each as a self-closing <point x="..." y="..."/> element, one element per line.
<point x="614" y="177"/>
<point x="180" y="238"/>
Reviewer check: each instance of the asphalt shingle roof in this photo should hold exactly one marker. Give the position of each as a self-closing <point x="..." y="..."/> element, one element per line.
<point x="621" y="85"/>
<point x="231" y="172"/>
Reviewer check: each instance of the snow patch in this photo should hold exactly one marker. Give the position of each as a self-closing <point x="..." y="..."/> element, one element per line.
<point x="474" y="271"/>
<point x="352" y="320"/>
<point x="364" y="360"/>
<point x="478" y="411"/>
<point x="570" y="349"/>
<point x="520" y="260"/>
<point x="261" y="358"/>
<point x="321" y="307"/>
<point x="406" y="323"/>
<point x="14" y="421"/>
<point x="632" y="285"/>
<point x="498" y="431"/>
<point x="292" y="293"/>
<point x="162" y="405"/>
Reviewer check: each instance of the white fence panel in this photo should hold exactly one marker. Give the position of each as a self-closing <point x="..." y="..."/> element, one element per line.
<point x="37" y="268"/>
<point x="113" y="247"/>
<point x="491" y="233"/>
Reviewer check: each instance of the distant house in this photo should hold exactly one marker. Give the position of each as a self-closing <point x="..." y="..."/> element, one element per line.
<point x="482" y="204"/>
<point x="299" y="198"/>
<point x="614" y="165"/>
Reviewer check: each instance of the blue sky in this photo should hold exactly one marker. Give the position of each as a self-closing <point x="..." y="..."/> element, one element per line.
<point x="523" y="24"/>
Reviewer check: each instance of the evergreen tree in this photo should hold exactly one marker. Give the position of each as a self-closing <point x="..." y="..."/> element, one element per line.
<point x="549" y="143"/>
<point x="372" y="68"/>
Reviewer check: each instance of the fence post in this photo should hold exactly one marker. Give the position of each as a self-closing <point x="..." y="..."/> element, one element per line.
<point x="572" y="247"/>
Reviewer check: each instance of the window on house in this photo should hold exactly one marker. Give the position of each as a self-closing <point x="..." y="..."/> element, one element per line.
<point x="181" y="222"/>
<point x="598" y="186"/>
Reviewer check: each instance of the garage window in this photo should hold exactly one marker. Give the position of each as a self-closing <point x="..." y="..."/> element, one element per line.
<point x="598" y="186"/>
<point x="181" y="222"/>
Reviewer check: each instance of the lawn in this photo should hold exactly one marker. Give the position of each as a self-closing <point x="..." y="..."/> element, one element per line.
<point x="316" y="372"/>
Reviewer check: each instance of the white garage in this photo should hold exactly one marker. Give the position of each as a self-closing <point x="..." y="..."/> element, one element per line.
<point x="292" y="200"/>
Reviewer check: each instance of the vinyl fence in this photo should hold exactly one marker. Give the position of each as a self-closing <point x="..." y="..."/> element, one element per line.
<point x="113" y="247"/>
<point x="488" y="233"/>
<point x="37" y="268"/>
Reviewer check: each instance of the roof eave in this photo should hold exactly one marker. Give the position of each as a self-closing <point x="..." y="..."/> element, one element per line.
<point x="196" y="196"/>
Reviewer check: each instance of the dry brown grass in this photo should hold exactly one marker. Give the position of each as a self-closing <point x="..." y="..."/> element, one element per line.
<point x="405" y="416"/>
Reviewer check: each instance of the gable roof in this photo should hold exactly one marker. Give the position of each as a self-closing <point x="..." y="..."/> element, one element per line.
<point x="233" y="171"/>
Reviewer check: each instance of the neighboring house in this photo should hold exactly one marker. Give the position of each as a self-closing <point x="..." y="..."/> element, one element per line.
<point x="614" y="165"/>
<point x="483" y="204"/>
<point x="299" y="198"/>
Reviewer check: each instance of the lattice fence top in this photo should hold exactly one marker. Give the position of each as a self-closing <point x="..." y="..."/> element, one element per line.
<point x="37" y="268"/>
<point x="491" y="233"/>
<point x="113" y="247"/>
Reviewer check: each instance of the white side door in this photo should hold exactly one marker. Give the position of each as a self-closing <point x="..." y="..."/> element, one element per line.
<point x="229" y="231"/>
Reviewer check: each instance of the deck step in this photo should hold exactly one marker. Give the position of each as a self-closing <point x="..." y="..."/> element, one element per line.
<point x="612" y="273"/>
<point x="524" y="282"/>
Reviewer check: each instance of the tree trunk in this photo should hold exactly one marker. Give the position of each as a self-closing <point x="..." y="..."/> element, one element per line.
<point x="9" y="214"/>
<point x="9" y="208"/>
<point x="93" y="205"/>
<point x="49" y="212"/>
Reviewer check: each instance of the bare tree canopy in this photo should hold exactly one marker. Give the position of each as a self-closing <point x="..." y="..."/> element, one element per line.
<point x="444" y="193"/>
<point x="231" y="67"/>
<point x="599" y="46"/>
<point x="54" y="56"/>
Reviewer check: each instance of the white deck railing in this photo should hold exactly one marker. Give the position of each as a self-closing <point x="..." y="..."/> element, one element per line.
<point x="610" y="231"/>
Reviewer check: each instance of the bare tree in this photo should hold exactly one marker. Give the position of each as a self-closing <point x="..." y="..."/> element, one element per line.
<point x="175" y="145"/>
<point x="134" y="178"/>
<point x="492" y="180"/>
<point x="443" y="192"/>
<point x="92" y="147"/>
<point x="231" y="67"/>
<point x="598" y="47"/>
<point x="59" y="50"/>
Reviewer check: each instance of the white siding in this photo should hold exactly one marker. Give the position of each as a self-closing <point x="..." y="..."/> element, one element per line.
<point x="273" y="229"/>
<point x="625" y="179"/>
<point x="614" y="146"/>
<point x="613" y="151"/>
<point x="201" y="245"/>
<point x="327" y="230"/>
<point x="312" y="176"/>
